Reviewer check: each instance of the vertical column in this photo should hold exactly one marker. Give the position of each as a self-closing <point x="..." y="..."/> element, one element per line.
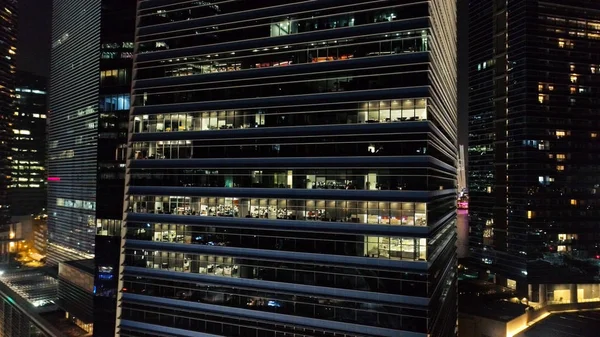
<point x="244" y="208"/>
<point x="596" y="291"/>
<point x="542" y="295"/>
<point x="573" y="293"/>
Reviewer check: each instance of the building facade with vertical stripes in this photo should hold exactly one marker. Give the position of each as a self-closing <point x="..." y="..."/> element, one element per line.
<point x="91" y="64"/>
<point x="73" y="129"/>
<point x="291" y="170"/>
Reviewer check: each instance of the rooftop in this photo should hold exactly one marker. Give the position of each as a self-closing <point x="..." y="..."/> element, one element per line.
<point x="499" y="310"/>
<point x="572" y="324"/>
<point x="86" y="266"/>
<point x="34" y="285"/>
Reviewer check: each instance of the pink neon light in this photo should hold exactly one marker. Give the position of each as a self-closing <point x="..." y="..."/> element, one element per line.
<point x="53" y="179"/>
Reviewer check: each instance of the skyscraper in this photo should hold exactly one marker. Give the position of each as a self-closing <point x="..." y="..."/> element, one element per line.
<point x="8" y="22"/>
<point x="533" y="148"/>
<point x="73" y="129"/>
<point x="28" y="188"/>
<point x="91" y="65"/>
<point x="89" y="102"/>
<point x="291" y="170"/>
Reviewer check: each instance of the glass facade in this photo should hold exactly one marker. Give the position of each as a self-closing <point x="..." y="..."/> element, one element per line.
<point x="291" y="170"/>
<point x="533" y="153"/>
<point x="28" y="171"/>
<point x="7" y="93"/>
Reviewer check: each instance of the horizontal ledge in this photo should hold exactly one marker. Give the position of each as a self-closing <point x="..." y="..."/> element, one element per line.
<point x="290" y="100"/>
<point x="278" y="224"/>
<point x="291" y="288"/>
<point x="270" y="255"/>
<point x="423" y="161"/>
<point x="161" y="330"/>
<point x="422" y="126"/>
<point x="272" y="317"/>
<point x="290" y="193"/>
<point x="267" y="41"/>
<point x="404" y="59"/>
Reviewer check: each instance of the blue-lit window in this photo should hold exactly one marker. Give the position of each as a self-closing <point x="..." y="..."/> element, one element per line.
<point x="114" y="102"/>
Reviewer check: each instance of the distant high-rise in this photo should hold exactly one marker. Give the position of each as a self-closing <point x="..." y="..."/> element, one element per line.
<point x="91" y="63"/>
<point x="73" y="129"/>
<point x="28" y="188"/>
<point x="8" y="36"/>
<point x="534" y="149"/>
<point x="291" y="170"/>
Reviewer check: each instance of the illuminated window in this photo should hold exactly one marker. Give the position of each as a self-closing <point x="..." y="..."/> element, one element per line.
<point x="561" y="248"/>
<point x="551" y="87"/>
<point x="573" y="78"/>
<point x="561" y="157"/>
<point x="572" y="67"/>
<point x="561" y="133"/>
<point x="593" y="69"/>
<point x="488" y="233"/>
<point x="573" y="202"/>
<point x="529" y="214"/>
<point x="593" y="135"/>
<point x="560" y="167"/>
<point x="550" y="155"/>
<point x="561" y="44"/>
<point x="489" y="189"/>
<point x="572" y="90"/>
<point x="541" y="98"/>
<point x="540" y="87"/>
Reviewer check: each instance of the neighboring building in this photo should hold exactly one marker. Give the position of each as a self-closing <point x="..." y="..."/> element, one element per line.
<point x="73" y="129"/>
<point x="40" y="236"/>
<point x="11" y="240"/>
<point x="22" y="230"/>
<point x="89" y="104"/>
<point x="534" y="150"/>
<point x="25" y="296"/>
<point x="91" y="66"/>
<point x="76" y="292"/>
<point x="291" y="170"/>
<point x="8" y="35"/>
<point x="494" y="319"/>
<point x="28" y="189"/>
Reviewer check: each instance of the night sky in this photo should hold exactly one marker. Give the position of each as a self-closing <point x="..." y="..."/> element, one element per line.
<point x="33" y="38"/>
<point x="33" y="48"/>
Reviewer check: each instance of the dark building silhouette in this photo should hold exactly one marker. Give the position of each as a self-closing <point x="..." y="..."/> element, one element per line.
<point x="291" y="170"/>
<point x="28" y="170"/>
<point x="533" y="150"/>
<point x="8" y="35"/>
